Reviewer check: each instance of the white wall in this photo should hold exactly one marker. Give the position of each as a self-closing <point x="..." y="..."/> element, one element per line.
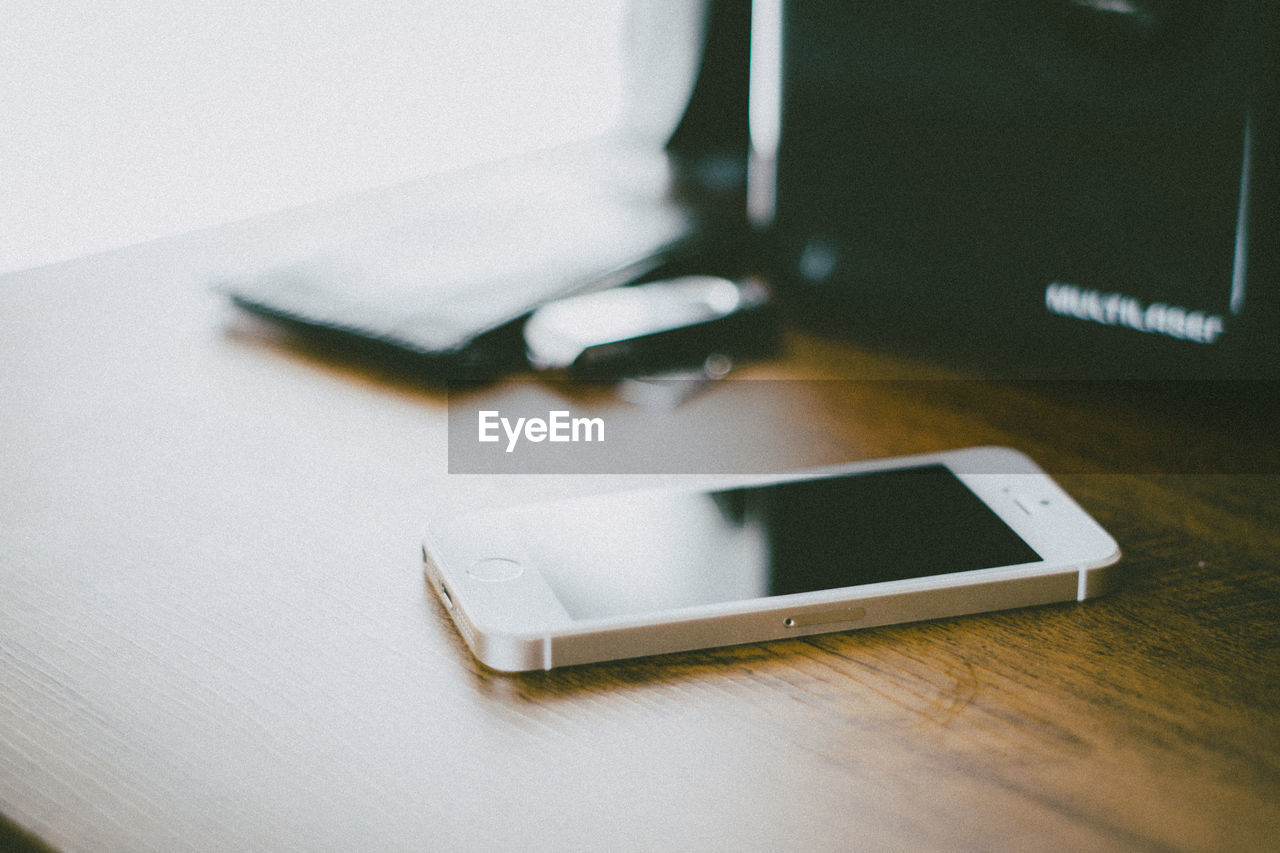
<point x="132" y="119"/>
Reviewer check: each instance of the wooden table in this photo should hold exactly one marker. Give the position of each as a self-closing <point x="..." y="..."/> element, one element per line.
<point x="215" y="633"/>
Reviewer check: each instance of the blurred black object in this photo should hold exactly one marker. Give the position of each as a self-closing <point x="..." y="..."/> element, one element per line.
<point x="1062" y="187"/>
<point x="651" y="328"/>
<point x="709" y="145"/>
<point x="445" y="291"/>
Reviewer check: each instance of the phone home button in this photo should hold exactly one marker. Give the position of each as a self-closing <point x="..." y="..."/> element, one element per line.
<point x="493" y="569"/>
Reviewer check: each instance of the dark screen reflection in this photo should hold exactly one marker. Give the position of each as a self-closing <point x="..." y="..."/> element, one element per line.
<point x="647" y="551"/>
<point x="877" y="527"/>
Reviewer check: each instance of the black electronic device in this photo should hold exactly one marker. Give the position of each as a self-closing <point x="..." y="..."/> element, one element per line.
<point x="1060" y="187"/>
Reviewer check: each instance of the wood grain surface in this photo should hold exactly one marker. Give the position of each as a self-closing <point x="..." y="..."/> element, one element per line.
<point x="215" y="634"/>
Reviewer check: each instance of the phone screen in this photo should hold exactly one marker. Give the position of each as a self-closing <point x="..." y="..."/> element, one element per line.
<point x="649" y="551"/>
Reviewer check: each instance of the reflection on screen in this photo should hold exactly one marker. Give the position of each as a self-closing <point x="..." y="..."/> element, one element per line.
<point x="641" y="552"/>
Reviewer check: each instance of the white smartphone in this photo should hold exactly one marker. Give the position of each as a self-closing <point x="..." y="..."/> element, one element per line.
<point x="746" y="559"/>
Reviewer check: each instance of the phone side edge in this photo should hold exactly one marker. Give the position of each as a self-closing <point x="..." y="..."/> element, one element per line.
<point x="855" y="613"/>
<point x="1101" y="576"/>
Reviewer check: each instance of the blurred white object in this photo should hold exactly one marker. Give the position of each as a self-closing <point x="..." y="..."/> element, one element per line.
<point x="662" y="51"/>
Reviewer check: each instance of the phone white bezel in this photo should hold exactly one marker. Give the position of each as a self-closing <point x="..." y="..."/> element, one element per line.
<point x="518" y="624"/>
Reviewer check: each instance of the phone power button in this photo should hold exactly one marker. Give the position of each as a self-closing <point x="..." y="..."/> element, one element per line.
<point x="494" y="569"/>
